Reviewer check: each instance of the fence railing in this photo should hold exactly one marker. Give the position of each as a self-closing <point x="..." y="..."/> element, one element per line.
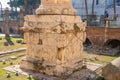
<point x="100" y="21"/>
<point x="114" y="24"/>
<point x="11" y="19"/>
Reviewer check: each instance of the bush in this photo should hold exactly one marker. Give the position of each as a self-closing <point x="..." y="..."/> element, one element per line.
<point x="100" y="78"/>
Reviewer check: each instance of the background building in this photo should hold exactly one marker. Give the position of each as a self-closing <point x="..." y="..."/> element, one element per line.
<point x="96" y="13"/>
<point x="99" y="7"/>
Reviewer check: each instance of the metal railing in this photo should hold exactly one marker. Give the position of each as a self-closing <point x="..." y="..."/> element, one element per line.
<point x="11" y="19"/>
<point x="114" y="24"/>
<point x="100" y="21"/>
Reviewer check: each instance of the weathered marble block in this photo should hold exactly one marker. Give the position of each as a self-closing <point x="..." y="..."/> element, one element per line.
<point x="54" y="42"/>
<point x="58" y="46"/>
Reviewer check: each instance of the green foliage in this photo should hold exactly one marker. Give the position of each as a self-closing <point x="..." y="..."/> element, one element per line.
<point x="100" y="78"/>
<point x="32" y="1"/>
<point x="18" y="3"/>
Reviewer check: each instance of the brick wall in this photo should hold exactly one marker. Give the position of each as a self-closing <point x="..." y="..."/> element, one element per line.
<point x="13" y="27"/>
<point x="100" y="35"/>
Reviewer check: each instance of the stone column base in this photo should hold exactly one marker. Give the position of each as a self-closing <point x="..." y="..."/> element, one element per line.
<point x="49" y="68"/>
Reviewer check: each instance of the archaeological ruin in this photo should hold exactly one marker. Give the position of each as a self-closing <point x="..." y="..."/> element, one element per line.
<point x="112" y="70"/>
<point x="54" y="39"/>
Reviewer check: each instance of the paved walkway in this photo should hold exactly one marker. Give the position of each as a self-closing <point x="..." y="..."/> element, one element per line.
<point x="93" y="66"/>
<point x="78" y="75"/>
<point x="10" y="34"/>
<point x="12" y="51"/>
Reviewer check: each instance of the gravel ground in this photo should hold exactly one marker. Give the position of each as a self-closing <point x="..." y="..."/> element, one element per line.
<point x="98" y="50"/>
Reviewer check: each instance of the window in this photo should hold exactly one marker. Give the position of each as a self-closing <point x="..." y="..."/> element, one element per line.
<point x="118" y="2"/>
<point x="0" y="30"/>
<point x="11" y="30"/>
<point x="97" y="2"/>
<point x="40" y="42"/>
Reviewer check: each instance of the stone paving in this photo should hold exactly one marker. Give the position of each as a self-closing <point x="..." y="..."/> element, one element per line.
<point x="12" y="51"/>
<point x="93" y="66"/>
<point x="81" y="74"/>
<point x="104" y="51"/>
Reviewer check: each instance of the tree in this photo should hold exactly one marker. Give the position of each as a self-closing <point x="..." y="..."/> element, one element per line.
<point x="93" y="1"/>
<point x="1" y="9"/>
<point x="114" y="9"/>
<point x="28" y="5"/>
<point x="86" y="8"/>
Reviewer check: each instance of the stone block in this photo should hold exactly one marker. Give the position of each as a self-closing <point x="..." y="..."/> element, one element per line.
<point x="5" y="43"/>
<point x="54" y="42"/>
<point x="0" y="38"/>
<point x="18" y="41"/>
<point x="112" y="70"/>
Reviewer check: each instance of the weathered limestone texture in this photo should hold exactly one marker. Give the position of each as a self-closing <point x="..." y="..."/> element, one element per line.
<point x="112" y="70"/>
<point x="56" y="7"/>
<point x="54" y="42"/>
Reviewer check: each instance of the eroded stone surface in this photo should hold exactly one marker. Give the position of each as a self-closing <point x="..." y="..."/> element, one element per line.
<point x="112" y="70"/>
<point x="56" y="7"/>
<point x="81" y="74"/>
<point x="54" y="42"/>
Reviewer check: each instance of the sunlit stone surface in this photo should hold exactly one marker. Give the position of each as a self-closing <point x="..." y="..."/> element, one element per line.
<point x="56" y="7"/>
<point x="54" y="42"/>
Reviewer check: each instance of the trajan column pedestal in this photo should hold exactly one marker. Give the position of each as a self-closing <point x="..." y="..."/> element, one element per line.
<point x="54" y="38"/>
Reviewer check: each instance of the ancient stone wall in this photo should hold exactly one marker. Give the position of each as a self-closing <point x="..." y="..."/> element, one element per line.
<point x="14" y="25"/>
<point x="112" y="70"/>
<point x="99" y="36"/>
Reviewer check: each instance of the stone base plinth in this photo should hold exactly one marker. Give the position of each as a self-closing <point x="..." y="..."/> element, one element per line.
<point x="54" y="44"/>
<point x="81" y="74"/>
<point x="56" y="7"/>
<point x="49" y="68"/>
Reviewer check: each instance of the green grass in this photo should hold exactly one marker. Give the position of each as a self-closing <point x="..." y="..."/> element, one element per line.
<point x="100" y="59"/>
<point x="19" y="56"/>
<point x="10" y="47"/>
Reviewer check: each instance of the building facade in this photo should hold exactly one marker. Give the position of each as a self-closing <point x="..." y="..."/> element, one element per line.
<point x="100" y="6"/>
<point x="13" y="22"/>
<point x="101" y="31"/>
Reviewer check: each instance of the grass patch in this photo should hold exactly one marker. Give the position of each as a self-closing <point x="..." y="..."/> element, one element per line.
<point x="19" y="56"/>
<point x="10" y="47"/>
<point x="100" y="59"/>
